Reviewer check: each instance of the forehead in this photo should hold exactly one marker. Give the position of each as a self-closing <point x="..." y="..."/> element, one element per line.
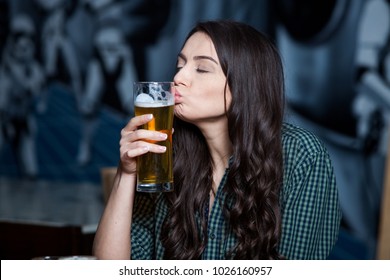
<point x="199" y="44"/>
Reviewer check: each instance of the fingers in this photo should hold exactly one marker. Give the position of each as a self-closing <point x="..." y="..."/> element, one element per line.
<point x="150" y="136"/>
<point x="137" y="121"/>
<point x="142" y="147"/>
<point x="135" y="142"/>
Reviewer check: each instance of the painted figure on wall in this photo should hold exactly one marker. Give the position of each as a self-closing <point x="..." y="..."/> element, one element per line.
<point x="21" y="82"/>
<point x="58" y="51"/>
<point x="109" y="75"/>
<point x="109" y="80"/>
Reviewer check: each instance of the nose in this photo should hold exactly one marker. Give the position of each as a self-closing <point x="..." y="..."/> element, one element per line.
<point x="181" y="77"/>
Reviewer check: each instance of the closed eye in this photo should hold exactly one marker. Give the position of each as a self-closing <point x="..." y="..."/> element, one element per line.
<point x="199" y="70"/>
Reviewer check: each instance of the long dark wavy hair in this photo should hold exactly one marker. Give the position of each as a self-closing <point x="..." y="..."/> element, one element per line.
<point x="254" y="72"/>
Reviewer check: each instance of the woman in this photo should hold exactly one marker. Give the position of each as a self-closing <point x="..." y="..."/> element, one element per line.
<point x="247" y="186"/>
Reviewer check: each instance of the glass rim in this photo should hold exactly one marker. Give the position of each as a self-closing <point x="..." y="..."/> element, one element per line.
<point x="153" y="82"/>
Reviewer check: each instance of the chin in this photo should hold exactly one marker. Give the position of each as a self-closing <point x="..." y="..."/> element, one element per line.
<point x="181" y="117"/>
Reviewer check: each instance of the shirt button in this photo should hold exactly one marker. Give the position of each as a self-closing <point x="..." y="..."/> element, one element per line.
<point x="212" y="236"/>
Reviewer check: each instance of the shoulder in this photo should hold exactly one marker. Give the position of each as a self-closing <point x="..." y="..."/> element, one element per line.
<point x="299" y="140"/>
<point x="303" y="153"/>
<point x="309" y="196"/>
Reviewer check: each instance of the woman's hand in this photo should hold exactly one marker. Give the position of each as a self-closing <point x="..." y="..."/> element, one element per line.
<point x="134" y="142"/>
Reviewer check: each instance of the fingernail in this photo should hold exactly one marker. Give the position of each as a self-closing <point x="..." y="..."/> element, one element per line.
<point x="163" y="136"/>
<point x="163" y="148"/>
<point x="149" y="116"/>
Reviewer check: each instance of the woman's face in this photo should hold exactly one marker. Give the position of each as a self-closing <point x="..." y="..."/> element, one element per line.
<point x="200" y="82"/>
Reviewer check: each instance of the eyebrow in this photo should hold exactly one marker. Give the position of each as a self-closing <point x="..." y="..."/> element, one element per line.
<point x="198" y="57"/>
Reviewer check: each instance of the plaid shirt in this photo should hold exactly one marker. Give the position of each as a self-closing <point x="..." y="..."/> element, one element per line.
<point x="309" y="203"/>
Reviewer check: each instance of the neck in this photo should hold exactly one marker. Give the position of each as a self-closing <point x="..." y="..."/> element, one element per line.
<point x="220" y="147"/>
<point x="218" y="142"/>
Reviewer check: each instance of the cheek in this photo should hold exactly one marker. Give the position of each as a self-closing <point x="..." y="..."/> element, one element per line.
<point x="228" y="99"/>
<point x="215" y="102"/>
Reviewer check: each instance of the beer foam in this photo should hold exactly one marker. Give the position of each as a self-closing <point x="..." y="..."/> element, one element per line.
<point x="151" y="104"/>
<point x="146" y="101"/>
<point x="144" y="98"/>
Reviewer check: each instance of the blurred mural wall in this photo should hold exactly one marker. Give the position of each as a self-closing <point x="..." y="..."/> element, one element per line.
<point x="67" y="68"/>
<point x="336" y="56"/>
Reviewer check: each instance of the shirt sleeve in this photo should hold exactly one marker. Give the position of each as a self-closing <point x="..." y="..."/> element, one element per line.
<point x="310" y="208"/>
<point x="142" y="228"/>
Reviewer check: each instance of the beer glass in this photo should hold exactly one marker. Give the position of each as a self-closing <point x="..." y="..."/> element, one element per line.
<point x="154" y="171"/>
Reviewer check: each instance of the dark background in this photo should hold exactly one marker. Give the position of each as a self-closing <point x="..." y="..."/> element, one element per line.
<point x="318" y="40"/>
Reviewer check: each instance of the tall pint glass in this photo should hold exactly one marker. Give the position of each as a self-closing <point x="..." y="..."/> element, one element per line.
<point x="154" y="171"/>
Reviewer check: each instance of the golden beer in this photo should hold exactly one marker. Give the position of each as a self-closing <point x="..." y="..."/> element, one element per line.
<point x="154" y="171"/>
